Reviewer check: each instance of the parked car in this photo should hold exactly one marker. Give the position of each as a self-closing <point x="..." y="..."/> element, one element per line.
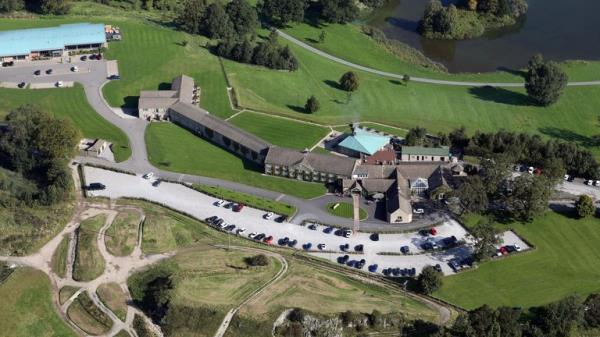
<point x="359" y="248"/>
<point x="510" y="248"/>
<point x="450" y="241"/>
<point x="114" y="77"/>
<point x="292" y="243"/>
<point x="405" y="250"/>
<point x="280" y="219"/>
<point x="49" y="71"/>
<point x="156" y="183"/>
<point x="343" y="259"/>
<point x="211" y="219"/>
<point x="374" y="237"/>
<point x="517" y="247"/>
<point x="567" y="177"/>
<point x="344" y="247"/>
<point x="589" y="182"/>
<point x="21" y="85"/>
<point x="284" y="241"/>
<point x="98" y="56"/>
<point x="268" y="240"/>
<point x="59" y="84"/>
<point x="241" y="231"/>
<point x="96" y="187"/>
<point x="312" y="227"/>
<point x="348" y="233"/>
<point x="530" y="170"/>
<point x="219" y="202"/>
<point x="148" y="175"/>
<point x="307" y="246"/>
<point x="268" y="215"/>
<point x="454" y="265"/>
<point x="322" y="246"/>
<point x="418" y="211"/>
<point x="83" y="58"/>
<point x="373" y="268"/>
<point x="37" y="72"/>
<point x="252" y="235"/>
<point x="74" y="69"/>
<point x="260" y="236"/>
<point x="328" y="230"/>
<point x="433" y="231"/>
<point x="361" y="264"/>
<point x="238" y="207"/>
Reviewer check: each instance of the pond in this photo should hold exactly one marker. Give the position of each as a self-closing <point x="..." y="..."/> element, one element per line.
<point x="558" y="29"/>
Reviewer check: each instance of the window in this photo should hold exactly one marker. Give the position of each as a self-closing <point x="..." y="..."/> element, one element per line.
<point x="226" y="141"/>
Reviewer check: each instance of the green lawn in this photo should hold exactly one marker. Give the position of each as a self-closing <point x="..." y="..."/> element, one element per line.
<point x="68" y="103"/>
<point x="114" y="298"/>
<point x="345" y="210"/>
<point x="59" y="258"/>
<point x="173" y="148"/>
<point x="65" y="293"/>
<point x="27" y="307"/>
<point x="121" y="237"/>
<point x="400" y="132"/>
<point x="89" y="263"/>
<point x="280" y="131"/>
<point x="566" y="261"/>
<point x="247" y="199"/>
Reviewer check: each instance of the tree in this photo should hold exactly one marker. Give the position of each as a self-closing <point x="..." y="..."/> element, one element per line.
<point x="429" y="280"/>
<point x="349" y="81"/>
<point x="486" y="238"/>
<point x="472" y="195"/>
<point x="281" y="12"/>
<point x="312" y="104"/>
<point x="559" y="318"/>
<point x="11" y="5"/>
<point x="190" y="15"/>
<point x="56" y="7"/>
<point x="484" y="321"/>
<point x="338" y="11"/>
<point x="216" y="22"/>
<point x="584" y="206"/>
<point x="243" y="16"/>
<point x="529" y="198"/>
<point x="406" y="79"/>
<point x="545" y="81"/>
<point x="592" y="311"/>
<point x="416" y="136"/>
<point x="322" y="36"/>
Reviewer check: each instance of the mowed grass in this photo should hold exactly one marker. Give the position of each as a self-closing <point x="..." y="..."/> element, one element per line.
<point x="173" y="148"/>
<point x="325" y="292"/>
<point x="27" y="308"/>
<point x="72" y="104"/>
<point x="87" y="316"/>
<point x="65" y="293"/>
<point x="114" y="298"/>
<point x="121" y="237"/>
<point x="89" y="263"/>
<point x="281" y="132"/>
<point x="566" y="261"/>
<point x="59" y="258"/>
<point x="345" y="210"/>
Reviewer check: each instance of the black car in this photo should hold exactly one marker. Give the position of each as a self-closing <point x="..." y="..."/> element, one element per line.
<point x="396" y="271"/>
<point x="292" y="243"/>
<point x="450" y="241"/>
<point x="156" y="183"/>
<point x="427" y="246"/>
<point x="375" y="237"/>
<point x="284" y="241"/>
<point x="49" y="71"/>
<point x="21" y="85"/>
<point x="404" y="249"/>
<point x="307" y="246"/>
<point x="312" y="227"/>
<point x="114" y="77"/>
<point x="361" y="264"/>
<point x="259" y="237"/>
<point x="96" y="186"/>
<point x="37" y="72"/>
<point x="211" y="219"/>
<point x="83" y="58"/>
<point x="359" y="248"/>
<point x="343" y="259"/>
<point x="344" y="247"/>
<point x="218" y="222"/>
<point x="373" y="268"/>
<point x="280" y="219"/>
<point x="328" y="230"/>
<point x="510" y="248"/>
<point x="229" y="205"/>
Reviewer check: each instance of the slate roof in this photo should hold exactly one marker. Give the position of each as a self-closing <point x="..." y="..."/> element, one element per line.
<point x="342" y="166"/>
<point x="182" y="89"/>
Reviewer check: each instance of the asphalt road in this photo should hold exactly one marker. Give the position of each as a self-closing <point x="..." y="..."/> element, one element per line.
<point x="413" y="79"/>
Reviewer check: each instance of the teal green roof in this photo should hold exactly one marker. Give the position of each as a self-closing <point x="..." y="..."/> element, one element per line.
<point x="364" y="142"/>
<point x="25" y="41"/>
<point x="426" y="151"/>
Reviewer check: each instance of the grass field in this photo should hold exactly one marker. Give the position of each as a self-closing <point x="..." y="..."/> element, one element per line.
<point x="88" y="264"/>
<point x="68" y="103"/>
<point x="175" y="149"/>
<point x="279" y="131"/>
<point x="121" y="237"/>
<point x="27" y="308"/>
<point x="566" y="261"/>
<point x="377" y="127"/>
<point x="59" y="259"/>
<point x="65" y="293"/>
<point x="345" y="210"/>
<point x="87" y="316"/>
<point x="114" y="298"/>
<point x="247" y="199"/>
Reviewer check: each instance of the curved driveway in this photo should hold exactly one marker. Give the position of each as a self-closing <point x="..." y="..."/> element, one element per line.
<point x="413" y="79"/>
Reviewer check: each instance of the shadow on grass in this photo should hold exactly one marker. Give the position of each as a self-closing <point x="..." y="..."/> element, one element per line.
<point x="396" y="82"/>
<point x="311" y="40"/>
<point x="568" y="211"/>
<point x="164" y="86"/>
<point x="566" y="135"/>
<point x="501" y="95"/>
<point x="515" y="72"/>
<point x="130" y="102"/>
<point x="296" y="108"/>
<point x="333" y="84"/>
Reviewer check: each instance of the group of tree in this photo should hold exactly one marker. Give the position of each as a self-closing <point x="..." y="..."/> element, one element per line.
<point x="282" y="12"/>
<point x="418" y="136"/>
<point x="218" y="21"/>
<point x="56" y="7"/>
<point x="266" y="53"/>
<point x="37" y="146"/>
<point x="429" y="280"/>
<point x="498" y="8"/>
<point x="545" y="80"/>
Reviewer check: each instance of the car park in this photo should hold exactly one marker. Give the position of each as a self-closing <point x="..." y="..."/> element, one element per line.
<point x="269" y="215"/>
<point x="374" y="237"/>
<point x="219" y="202"/>
<point x="148" y="175"/>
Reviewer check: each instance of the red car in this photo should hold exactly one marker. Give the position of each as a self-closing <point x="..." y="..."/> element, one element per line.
<point x="503" y="250"/>
<point x="268" y="240"/>
<point x="238" y="207"/>
<point x="433" y="231"/>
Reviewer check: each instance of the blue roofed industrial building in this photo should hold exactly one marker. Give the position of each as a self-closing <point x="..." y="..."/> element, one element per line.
<point x="362" y="142"/>
<point x="39" y="43"/>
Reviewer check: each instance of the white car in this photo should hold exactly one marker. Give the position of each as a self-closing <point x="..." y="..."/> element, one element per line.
<point x="252" y="235"/>
<point x="269" y="215"/>
<point x="219" y="202"/>
<point x="348" y="233"/>
<point x="241" y="231"/>
<point x="60" y="84"/>
<point x="322" y="246"/>
<point x="517" y="247"/>
<point x="597" y="183"/>
<point x="224" y="224"/>
<point x="589" y="182"/>
<point x="567" y="177"/>
<point x="530" y="170"/>
<point x="418" y="211"/>
<point x="148" y="175"/>
<point x="74" y="69"/>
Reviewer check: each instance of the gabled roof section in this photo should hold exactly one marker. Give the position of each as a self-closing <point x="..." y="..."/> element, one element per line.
<point x="364" y="142"/>
<point x="318" y="162"/>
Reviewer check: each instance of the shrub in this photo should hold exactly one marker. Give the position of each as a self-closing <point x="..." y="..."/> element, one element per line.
<point x="429" y="280"/>
<point x="349" y="81"/>
<point x="257" y="260"/>
<point x="312" y="104"/>
<point x="584" y="206"/>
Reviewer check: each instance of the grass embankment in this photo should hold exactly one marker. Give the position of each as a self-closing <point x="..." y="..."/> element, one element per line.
<point x="345" y="210"/>
<point x="87" y="316"/>
<point x="114" y="298"/>
<point x="72" y="104"/>
<point x="281" y="132"/>
<point x="89" y="263"/>
<point x="27" y="307"/>
<point x="65" y="293"/>
<point x="122" y="235"/>
<point x="59" y="258"/>
<point x="176" y="149"/>
<point x="247" y="199"/>
<point x="390" y="130"/>
<point x="566" y="261"/>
